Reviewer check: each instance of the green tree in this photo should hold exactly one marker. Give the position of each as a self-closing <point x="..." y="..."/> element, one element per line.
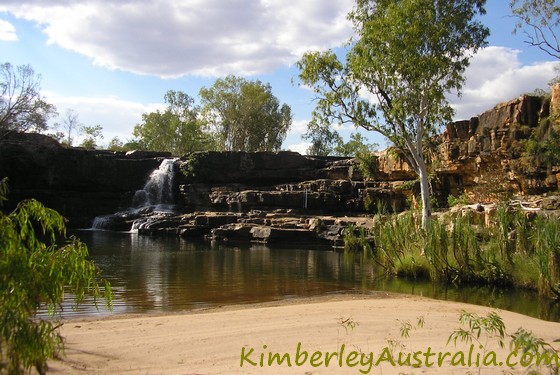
<point x="36" y="271"/>
<point x="324" y="139"/>
<point x="539" y="21"/>
<point x="178" y="129"/>
<point x="115" y="144"/>
<point x="406" y="57"/>
<point x="357" y="145"/>
<point x="92" y="133"/>
<point x="245" y="115"/>
<point x="22" y="108"/>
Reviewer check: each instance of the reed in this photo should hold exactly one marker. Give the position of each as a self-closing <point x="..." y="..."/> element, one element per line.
<point x="514" y="249"/>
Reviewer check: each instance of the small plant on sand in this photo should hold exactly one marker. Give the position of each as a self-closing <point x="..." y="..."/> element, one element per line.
<point x="347" y="323"/>
<point x="481" y="329"/>
<point x="484" y="330"/>
<point x="527" y="346"/>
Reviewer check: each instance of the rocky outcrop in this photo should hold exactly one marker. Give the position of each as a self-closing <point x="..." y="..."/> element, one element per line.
<point x="486" y="156"/>
<point x="79" y="183"/>
<point x="268" y="196"/>
<point x="268" y="181"/>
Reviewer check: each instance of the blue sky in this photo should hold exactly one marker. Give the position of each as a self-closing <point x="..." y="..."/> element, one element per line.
<point x="112" y="60"/>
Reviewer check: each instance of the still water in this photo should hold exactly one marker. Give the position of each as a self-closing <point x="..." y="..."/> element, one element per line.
<point x="155" y="274"/>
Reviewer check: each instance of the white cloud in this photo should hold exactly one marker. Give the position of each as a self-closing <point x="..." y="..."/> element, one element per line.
<point x="496" y="75"/>
<point x="298" y="127"/>
<point x="117" y="116"/>
<point x="170" y="39"/>
<point x="7" y="31"/>
<point x="299" y="147"/>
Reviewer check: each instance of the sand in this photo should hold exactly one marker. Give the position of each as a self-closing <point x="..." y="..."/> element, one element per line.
<point x="220" y="340"/>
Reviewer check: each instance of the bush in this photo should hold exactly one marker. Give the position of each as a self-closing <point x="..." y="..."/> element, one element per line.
<point x="36" y="271"/>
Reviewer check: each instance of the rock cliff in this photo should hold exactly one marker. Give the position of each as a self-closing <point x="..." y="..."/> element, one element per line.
<point x="266" y="196"/>
<point x="486" y="156"/>
<point x="78" y="183"/>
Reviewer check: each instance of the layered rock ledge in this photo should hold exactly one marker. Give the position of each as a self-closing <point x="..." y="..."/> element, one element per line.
<point x="275" y="196"/>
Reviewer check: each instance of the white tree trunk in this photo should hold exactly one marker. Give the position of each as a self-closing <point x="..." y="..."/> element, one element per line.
<point x="425" y="193"/>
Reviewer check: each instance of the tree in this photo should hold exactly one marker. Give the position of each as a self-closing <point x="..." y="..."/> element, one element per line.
<point x="407" y="56"/>
<point x="357" y="145"/>
<point x="22" y="108"/>
<point x="327" y="141"/>
<point x="245" y="115"/>
<point x="92" y="133"/>
<point x="539" y="20"/>
<point x="323" y="138"/>
<point x="178" y="129"/>
<point x="115" y="144"/>
<point x="36" y="271"/>
<point x="70" y="123"/>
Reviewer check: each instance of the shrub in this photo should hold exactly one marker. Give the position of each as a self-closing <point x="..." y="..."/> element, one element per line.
<point x="36" y="271"/>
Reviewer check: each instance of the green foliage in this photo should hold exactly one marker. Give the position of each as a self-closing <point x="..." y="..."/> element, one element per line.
<point x="526" y="342"/>
<point x="194" y="165"/>
<point x="92" y="133"/>
<point x="178" y="129"/>
<point x="480" y="328"/>
<point x="115" y="144"/>
<point x="245" y="115"/>
<point x="461" y="199"/>
<point x="514" y="249"/>
<point x="325" y="140"/>
<point x="407" y="326"/>
<point x="485" y="330"/>
<point x="543" y="149"/>
<point x="322" y="136"/>
<point x="22" y="108"/>
<point x="36" y="271"/>
<point x="367" y="164"/>
<point x="356" y="146"/>
<point x="357" y="240"/>
<point x="407" y="56"/>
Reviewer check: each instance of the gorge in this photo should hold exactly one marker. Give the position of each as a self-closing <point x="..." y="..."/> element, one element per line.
<point x="271" y="196"/>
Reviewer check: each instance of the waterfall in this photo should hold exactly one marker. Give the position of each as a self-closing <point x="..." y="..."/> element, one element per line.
<point x="155" y="198"/>
<point x="158" y="190"/>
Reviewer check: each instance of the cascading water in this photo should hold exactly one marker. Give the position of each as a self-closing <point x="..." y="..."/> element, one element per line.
<point x="158" y="190"/>
<point x="155" y="199"/>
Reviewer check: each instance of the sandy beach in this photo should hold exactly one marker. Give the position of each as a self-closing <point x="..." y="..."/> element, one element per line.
<point x="339" y="334"/>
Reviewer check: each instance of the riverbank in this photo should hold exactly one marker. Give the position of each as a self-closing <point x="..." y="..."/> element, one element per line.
<point x="334" y="330"/>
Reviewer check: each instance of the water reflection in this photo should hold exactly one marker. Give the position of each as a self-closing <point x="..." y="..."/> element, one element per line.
<point x="171" y="274"/>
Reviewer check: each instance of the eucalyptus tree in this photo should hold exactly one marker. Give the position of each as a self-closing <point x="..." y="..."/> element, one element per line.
<point x="92" y="134"/>
<point x="539" y="20"/>
<point x="245" y="115"/>
<point x="22" y="108"/>
<point x="178" y="129"/>
<point x="323" y="138"/>
<point x="70" y="123"/>
<point x="406" y="56"/>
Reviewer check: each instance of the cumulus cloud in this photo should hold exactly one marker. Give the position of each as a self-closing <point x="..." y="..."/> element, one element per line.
<point x="7" y="31"/>
<point x="199" y="37"/>
<point x="496" y="75"/>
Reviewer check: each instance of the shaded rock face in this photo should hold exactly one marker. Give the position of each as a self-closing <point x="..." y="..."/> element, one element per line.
<point x="78" y="183"/>
<point x="242" y="182"/>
